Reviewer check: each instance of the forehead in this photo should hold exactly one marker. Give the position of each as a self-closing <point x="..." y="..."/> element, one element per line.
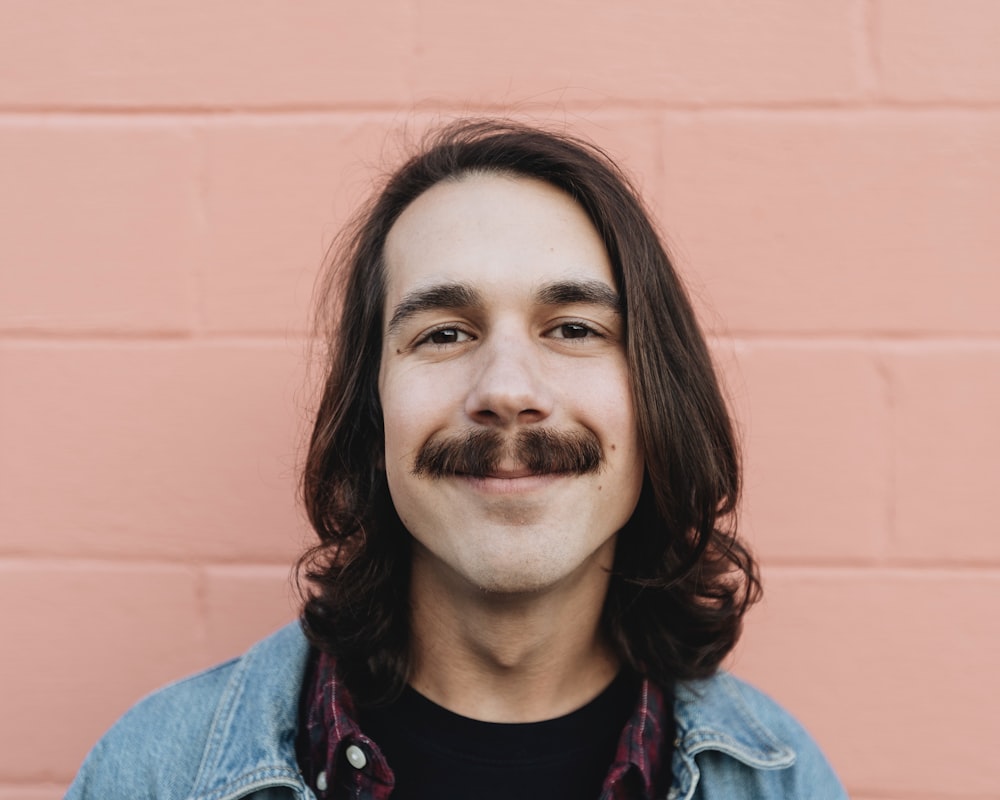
<point x="495" y="232"/>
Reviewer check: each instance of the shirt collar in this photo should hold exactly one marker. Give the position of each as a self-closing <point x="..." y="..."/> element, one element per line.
<point x="333" y="740"/>
<point x="641" y="746"/>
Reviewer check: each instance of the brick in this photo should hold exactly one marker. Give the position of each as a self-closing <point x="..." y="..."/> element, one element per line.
<point x="90" y="641"/>
<point x="592" y="52"/>
<point x="946" y="451"/>
<point x="814" y="419"/>
<point x="22" y="792"/>
<point x="277" y="194"/>
<point x="187" y="53"/>
<point x="151" y="449"/>
<point x="837" y="222"/>
<point x="891" y="670"/>
<point x="101" y="227"/>
<point x="633" y="139"/>
<point x="939" y="50"/>
<point x="243" y="604"/>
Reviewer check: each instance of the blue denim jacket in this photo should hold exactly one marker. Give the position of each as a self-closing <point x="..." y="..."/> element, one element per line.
<point x="229" y="733"/>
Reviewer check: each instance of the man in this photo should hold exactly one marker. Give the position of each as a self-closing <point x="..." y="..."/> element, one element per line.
<point x="523" y="477"/>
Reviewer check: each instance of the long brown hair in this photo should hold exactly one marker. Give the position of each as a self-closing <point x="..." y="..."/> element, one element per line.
<point x="682" y="580"/>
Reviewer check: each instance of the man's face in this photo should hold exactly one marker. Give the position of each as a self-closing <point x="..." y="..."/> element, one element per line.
<point x="502" y="327"/>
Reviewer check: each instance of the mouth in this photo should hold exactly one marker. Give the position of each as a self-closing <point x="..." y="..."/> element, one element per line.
<point x="510" y="474"/>
<point x="510" y="481"/>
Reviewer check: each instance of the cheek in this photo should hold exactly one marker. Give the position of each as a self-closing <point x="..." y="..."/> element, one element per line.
<point x="411" y="414"/>
<point x="398" y="406"/>
<point x="611" y="409"/>
<point x="398" y="444"/>
<point x="417" y="401"/>
<point x="616" y="424"/>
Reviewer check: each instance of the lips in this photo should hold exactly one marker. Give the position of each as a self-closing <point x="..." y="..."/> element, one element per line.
<point x="510" y="474"/>
<point x="521" y="484"/>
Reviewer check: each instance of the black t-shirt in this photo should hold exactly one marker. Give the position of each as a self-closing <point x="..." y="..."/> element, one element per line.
<point x="437" y="754"/>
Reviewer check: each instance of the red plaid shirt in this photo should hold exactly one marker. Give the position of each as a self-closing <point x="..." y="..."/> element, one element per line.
<point x="339" y="761"/>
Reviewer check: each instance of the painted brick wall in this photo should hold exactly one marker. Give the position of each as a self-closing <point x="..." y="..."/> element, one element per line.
<point x="828" y="174"/>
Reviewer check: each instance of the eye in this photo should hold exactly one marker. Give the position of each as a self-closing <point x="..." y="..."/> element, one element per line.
<point x="445" y="336"/>
<point x="573" y="330"/>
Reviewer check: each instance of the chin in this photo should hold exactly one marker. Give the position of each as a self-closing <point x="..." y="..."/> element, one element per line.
<point x="537" y="575"/>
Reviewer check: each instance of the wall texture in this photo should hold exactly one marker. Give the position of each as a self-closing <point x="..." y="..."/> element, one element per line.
<point x="827" y="171"/>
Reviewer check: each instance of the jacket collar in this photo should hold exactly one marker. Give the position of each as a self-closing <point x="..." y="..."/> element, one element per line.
<point x="252" y="740"/>
<point x="712" y="714"/>
<point x="251" y="744"/>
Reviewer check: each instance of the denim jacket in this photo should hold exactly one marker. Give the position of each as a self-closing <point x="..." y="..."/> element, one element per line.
<point x="229" y="733"/>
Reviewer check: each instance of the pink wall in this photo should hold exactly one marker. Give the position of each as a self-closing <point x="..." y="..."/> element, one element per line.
<point x="828" y="173"/>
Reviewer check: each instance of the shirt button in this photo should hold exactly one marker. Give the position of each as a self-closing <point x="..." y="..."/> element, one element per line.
<point x="356" y="757"/>
<point x="321" y="781"/>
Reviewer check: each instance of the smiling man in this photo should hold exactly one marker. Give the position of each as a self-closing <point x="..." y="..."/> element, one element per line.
<point x="523" y="477"/>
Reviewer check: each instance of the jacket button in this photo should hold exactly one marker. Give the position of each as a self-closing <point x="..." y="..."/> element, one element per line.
<point x="356" y="757"/>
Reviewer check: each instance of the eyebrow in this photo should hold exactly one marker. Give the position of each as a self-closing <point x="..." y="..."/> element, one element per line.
<point x="455" y="296"/>
<point x="594" y="293"/>
<point x="450" y="296"/>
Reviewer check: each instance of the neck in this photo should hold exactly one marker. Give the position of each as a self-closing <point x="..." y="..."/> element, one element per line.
<point x="509" y="657"/>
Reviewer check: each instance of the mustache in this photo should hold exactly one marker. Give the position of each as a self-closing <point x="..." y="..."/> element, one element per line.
<point x="480" y="453"/>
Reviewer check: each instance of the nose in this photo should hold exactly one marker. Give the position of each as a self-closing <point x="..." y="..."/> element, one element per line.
<point x="510" y="386"/>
